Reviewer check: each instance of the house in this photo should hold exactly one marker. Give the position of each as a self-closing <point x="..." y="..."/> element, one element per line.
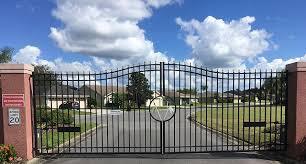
<point x="249" y="97"/>
<point x="176" y="98"/>
<point x="228" y="98"/>
<point x="156" y="101"/>
<point x="104" y="95"/>
<point x="187" y="99"/>
<point x="207" y="97"/>
<point x="59" y="94"/>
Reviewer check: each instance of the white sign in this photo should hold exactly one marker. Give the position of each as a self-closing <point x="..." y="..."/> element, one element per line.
<point x="114" y="112"/>
<point x="14" y="116"/>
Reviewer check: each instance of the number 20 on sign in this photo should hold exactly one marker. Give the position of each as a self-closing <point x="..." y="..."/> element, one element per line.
<point x="14" y="116"/>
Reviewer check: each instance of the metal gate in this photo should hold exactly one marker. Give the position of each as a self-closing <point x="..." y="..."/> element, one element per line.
<point x="160" y="108"/>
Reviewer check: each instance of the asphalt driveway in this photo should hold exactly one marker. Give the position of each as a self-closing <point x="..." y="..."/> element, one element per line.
<point x="137" y="132"/>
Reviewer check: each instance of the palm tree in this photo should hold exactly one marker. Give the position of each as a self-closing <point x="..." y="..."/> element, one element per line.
<point x="6" y="54"/>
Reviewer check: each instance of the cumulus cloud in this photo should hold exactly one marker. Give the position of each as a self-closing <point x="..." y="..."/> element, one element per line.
<point x="106" y="29"/>
<point x="105" y="64"/>
<point x="28" y="54"/>
<point x="159" y="3"/>
<point x="59" y="65"/>
<point x="32" y="55"/>
<point x="216" y="43"/>
<point x="276" y="64"/>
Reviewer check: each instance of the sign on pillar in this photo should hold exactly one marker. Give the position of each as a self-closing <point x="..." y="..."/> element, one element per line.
<point x="14" y="116"/>
<point x="14" y="102"/>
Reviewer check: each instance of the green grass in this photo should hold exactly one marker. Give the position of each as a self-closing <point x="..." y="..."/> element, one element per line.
<point x="232" y="122"/>
<point x="61" y="137"/>
<point x="72" y="111"/>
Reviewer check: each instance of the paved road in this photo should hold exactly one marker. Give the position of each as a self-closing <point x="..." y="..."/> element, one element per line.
<point x="136" y="131"/>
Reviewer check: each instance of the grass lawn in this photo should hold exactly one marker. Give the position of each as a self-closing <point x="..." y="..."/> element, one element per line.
<point x="61" y="137"/>
<point x="72" y="111"/>
<point x="232" y="122"/>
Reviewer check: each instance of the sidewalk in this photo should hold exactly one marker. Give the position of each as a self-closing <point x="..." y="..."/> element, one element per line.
<point x="213" y="158"/>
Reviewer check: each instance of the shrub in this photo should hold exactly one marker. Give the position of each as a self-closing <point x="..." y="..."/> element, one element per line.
<point x="54" y="117"/>
<point x="59" y="117"/>
<point x="7" y="153"/>
<point x="111" y="105"/>
<point x="248" y="99"/>
<point x="91" y="102"/>
<point x="225" y="100"/>
<point x="128" y="108"/>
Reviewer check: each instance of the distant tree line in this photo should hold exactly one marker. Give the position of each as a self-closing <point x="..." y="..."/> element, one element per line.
<point x="193" y="91"/>
<point x="272" y="89"/>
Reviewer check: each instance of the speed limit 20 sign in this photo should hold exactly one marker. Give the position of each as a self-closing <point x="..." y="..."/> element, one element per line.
<point x="14" y="116"/>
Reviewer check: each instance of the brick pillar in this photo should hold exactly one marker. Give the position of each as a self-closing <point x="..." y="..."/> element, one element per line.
<point x="1" y="117"/>
<point x="16" y="79"/>
<point x="297" y="110"/>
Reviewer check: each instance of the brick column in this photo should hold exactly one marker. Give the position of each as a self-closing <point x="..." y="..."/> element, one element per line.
<point x="16" y="79"/>
<point x="297" y="110"/>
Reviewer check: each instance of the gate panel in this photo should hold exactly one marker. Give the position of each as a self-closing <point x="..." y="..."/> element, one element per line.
<point x="160" y="108"/>
<point x="96" y="112"/>
<point x="225" y="111"/>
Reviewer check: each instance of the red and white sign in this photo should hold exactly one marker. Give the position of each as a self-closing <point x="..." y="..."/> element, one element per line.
<point x="12" y="100"/>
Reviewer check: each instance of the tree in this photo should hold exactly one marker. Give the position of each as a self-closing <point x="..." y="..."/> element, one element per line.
<point x="44" y="76"/>
<point x="6" y="54"/>
<point x="204" y="87"/>
<point x="91" y="102"/>
<point x="138" y="89"/>
<point x="191" y="91"/>
<point x="43" y="79"/>
<point x="119" y="99"/>
<point x="42" y="69"/>
<point x="275" y="86"/>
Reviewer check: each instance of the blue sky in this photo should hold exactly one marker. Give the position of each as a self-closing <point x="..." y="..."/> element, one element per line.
<point x="284" y="19"/>
<point x="28" y="22"/>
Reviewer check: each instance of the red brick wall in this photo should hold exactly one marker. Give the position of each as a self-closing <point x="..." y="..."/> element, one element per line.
<point x="1" y="116"/>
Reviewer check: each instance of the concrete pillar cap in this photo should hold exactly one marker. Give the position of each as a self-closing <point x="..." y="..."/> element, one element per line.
<point x="16" y="68"/>
<point x="296" y="67"/>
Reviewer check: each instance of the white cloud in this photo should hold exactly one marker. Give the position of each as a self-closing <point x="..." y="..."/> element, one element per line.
<point x="59" y="65"/>
<point x="106" y="28"/>
<point x="28" y="54"/>
<point x="31" y="55"/>
<point x="96" y="65"/>
<point x="217" y="43"/>
<point x="159" y="3"/>
<point x="276" y="64"/>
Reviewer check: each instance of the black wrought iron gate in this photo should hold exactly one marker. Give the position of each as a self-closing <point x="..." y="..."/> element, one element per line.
<point x="160" y="108"/>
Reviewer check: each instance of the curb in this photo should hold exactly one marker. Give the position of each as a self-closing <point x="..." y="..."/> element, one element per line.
<point x="77" y="139"/>
<point x="269" y="155"/>
<point x="35" y="161"/>
<point x="232" y="139"/>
